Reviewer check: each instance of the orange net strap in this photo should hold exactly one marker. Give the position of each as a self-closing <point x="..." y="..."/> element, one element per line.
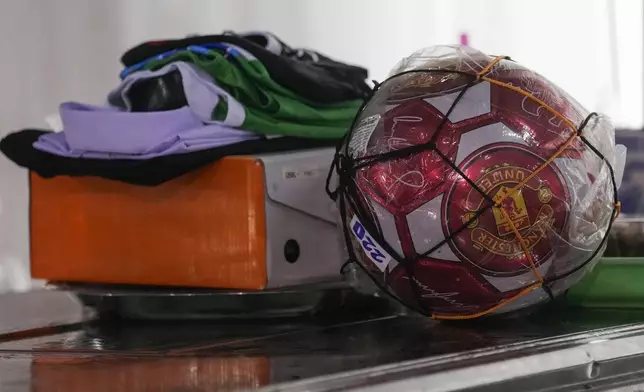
<point x="492" y="309"/>
<point x="481" y="75"/>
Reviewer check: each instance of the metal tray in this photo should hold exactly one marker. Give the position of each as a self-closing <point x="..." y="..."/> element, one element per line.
<point x="175" y="303"/>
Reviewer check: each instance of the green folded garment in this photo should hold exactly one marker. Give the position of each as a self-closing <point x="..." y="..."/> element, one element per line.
<point x="270" y="108"/>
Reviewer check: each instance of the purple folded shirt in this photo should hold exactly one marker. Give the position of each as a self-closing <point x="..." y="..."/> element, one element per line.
<point x="109" y="133"/>
<point x="114" y="133"/>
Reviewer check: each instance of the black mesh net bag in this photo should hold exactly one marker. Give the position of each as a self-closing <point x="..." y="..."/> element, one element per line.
<point x="470" y="185"/>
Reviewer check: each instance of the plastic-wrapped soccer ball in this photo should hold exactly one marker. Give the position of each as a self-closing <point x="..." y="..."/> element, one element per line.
<point x="471" y="185"/>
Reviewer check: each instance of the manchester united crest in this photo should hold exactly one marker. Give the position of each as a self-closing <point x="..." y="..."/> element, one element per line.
<point x="509" y="198"/>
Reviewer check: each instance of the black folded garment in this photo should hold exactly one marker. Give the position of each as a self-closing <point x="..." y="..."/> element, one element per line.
<point x="18" y="147"/>
<point x="309" y="74"/>
<point x="162" y="93"/>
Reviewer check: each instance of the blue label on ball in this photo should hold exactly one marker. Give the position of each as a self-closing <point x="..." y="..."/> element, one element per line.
<point x="373" y="251"/>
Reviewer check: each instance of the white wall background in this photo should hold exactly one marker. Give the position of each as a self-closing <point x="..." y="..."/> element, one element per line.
<point x="51" y="51"/>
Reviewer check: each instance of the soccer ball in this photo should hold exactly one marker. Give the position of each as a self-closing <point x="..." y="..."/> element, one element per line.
<point x="496" y="201"/>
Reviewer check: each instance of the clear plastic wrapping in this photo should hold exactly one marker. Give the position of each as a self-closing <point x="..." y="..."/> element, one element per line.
<point x="626" y="235"/>
<point x="471" y="185"/>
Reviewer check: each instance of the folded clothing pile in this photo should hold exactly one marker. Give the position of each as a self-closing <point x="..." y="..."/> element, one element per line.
<point x="184" y="103"/>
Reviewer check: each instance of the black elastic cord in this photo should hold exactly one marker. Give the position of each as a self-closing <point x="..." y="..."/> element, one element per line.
<point x="347" y="167"/>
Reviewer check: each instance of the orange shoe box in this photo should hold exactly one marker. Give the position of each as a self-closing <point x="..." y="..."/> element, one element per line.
<point x="251" y="222"/>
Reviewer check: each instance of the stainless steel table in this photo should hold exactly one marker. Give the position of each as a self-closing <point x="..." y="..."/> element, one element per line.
<point x="48" y="343"/>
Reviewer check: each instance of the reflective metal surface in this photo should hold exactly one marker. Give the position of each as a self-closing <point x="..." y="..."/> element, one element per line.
<point x="170" y="303"/>
<point x="379" y="351"/>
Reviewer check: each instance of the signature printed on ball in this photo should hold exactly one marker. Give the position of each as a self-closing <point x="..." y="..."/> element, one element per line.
<point x="374" y="251"/>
